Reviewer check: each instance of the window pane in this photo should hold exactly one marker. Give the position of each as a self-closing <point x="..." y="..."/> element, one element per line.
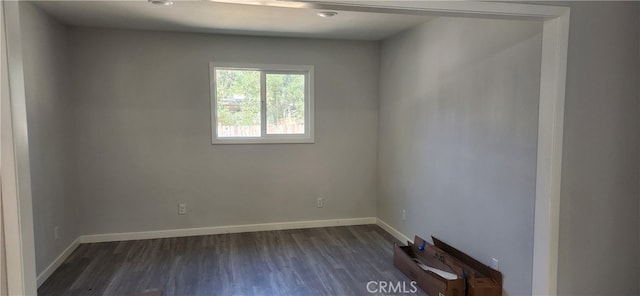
<point x="285" y="103"/>
<point x="238" y="103"/>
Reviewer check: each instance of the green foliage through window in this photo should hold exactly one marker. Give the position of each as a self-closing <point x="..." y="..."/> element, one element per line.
<point x="238" y="99"/>
<point x="238" y="102"/>
<point x="285" y="103"/>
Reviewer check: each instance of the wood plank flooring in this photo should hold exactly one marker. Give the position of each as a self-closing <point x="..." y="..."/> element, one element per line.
<point x="317" y="261"/>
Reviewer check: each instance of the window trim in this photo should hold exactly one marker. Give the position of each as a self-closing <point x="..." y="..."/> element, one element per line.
<point x="308" y="136"/>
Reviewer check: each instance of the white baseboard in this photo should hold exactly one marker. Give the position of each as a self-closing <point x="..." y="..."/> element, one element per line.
<point x="47" y="272"/>
<point x="397" y="234"/>
<point x="110" y="237"/>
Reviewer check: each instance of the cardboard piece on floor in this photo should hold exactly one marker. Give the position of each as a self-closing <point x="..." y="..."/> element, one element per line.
<point x="474" y="278"/>
<point x="429" y="281"/>
<point x="482" y="280"/>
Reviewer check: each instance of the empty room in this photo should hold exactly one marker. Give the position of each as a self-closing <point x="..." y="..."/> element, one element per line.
<point x="222" y="147"/>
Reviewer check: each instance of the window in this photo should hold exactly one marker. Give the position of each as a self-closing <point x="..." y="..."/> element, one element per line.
<point x="261" y="104"/>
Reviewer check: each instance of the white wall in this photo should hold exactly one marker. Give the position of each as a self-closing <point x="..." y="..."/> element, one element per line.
<point x="458" y="137"/>
<point x="599" y="204"/>
<point x="49" y="116"/>
<point x="142" y="124"/>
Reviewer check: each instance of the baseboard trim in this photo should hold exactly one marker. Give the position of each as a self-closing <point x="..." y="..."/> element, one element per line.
<point x="397" y="234"/>
<point x="110" y="237"/>
<point x="47" y="272"/>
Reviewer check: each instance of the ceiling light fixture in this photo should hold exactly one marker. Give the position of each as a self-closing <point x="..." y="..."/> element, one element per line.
<point x="327" y="13"/>
<point x="161" y="2"/>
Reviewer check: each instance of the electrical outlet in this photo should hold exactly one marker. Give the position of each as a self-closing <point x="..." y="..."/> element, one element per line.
<point x="320" y="202"/>
<point x="182" y="209"/>
<point x="495" y="263"/>
<point x="56" y="233"/>
<point x="404" y="215"/>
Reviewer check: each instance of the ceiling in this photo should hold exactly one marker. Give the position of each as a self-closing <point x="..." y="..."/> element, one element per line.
<point x="230" y="18"/>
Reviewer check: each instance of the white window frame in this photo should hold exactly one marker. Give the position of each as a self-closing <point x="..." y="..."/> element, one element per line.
<point x="306" y="70"/>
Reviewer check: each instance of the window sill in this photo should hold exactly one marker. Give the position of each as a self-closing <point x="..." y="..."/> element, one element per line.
<point x="236" y="141"/>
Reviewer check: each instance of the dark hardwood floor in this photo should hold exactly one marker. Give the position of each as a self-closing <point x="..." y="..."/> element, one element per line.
<point x="318" y="261"/>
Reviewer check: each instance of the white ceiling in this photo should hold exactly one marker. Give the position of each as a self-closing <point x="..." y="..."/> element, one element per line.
<point x="245" y="19"/>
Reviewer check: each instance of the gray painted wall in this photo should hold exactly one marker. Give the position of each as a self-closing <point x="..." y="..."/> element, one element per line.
<point x="458" y="137"/>
<point x="142" y="125"/>
<point x="45" y="54"/>
<point x="599" y="205"/>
